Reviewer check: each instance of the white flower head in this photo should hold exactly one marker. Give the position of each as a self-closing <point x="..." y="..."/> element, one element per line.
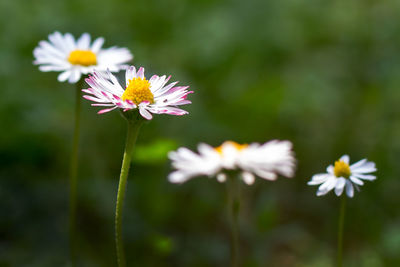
<point x="75" y="58"/>
<point x="263" y="160"/>
<point x="343" y="175"/>
<point x="148" y="96"/>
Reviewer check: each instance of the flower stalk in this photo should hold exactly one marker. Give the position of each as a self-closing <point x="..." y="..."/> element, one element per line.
<point x="73" y="173"/>
<point x="134" y="124"/>
<point x="234" y="203"/>
<point x="340" y="231"/>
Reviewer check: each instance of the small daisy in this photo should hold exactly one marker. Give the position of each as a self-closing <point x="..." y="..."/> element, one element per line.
<point x="74" y="58"/>
<point x="148" y="96"/>
<point x="265" y="160"/>
<point x="343" y="175"/>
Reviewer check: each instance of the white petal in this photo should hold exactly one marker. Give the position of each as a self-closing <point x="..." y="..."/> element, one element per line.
<point x="207" y="150"/>
<point x="75" y="76"/>
<point x="330" y="169"/>
<point x="345" y="158"/>
<point x="349" y="189"/>
<point x="322" y="192"/>
<point x="248" y="178"/>
<point x="178" y="177"/>
<point x="84" y="42"/>
<point x="45" y="49"/>
<point x="356" y="180"/>
<point x="63" y="76"/>
<point x="140" y="73"/>
<point x="59" y="42"/>
<point x="341" y="182"/>
<point x="221" y="177"/>
<point x="329" y="184"/>
<point x="97" y="44"/>
<point x="46" y="68"/>
<point x="147" y="115"/>
<point x="363" y="166"/>
<point x="190" y="164"/>
<point x="358" y="163"/>
<point x="130" y="74"/>
<point x="319" y="178"/>
<point x="268" y="175"/>
<point x="69" y="41"/>
<point x="113" y="58"/>
<point x="365" y="176"/>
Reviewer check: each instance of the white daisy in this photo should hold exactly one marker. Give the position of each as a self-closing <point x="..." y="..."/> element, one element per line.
<point x="74" y="58"/>
<point x="265" y="160"/>
<point x="149" y="96"/>
<point x="343" y="175"/>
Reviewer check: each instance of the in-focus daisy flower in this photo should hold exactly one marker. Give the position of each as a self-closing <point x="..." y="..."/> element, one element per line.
<point x="343" y="175"/>
<point x="148" y="96"/>
<point x="263" y="160"/>
<point x="139" y="98"/>
<point x="74" y="58"/>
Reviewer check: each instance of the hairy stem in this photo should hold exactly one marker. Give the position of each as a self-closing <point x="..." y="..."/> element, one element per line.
<point x="133" y="130"/>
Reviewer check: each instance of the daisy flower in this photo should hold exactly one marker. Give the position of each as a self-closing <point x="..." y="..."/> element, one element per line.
<point x="74" y="58"/>
<point x="263" y="160"/>
<point x="148" y="96"/>
<point x="343" y="175"/>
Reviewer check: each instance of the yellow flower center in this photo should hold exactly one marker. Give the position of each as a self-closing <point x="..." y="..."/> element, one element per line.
<point x="138" y="90"/>
<point x="82" y="57"/>
<point x="237" y="146"/>
<point x="342" y="169"/>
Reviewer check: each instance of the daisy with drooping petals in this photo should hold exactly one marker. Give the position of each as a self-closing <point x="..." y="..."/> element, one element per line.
<point x="343" y="175"/>
<point x="74" y="58"/>
<point x="225" y="162"/>
<point x="265" y="160"/>
<point x="148" y="96"/>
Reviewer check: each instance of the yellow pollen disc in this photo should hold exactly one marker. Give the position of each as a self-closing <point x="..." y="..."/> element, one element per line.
<point x="82" y="57"/>
<point x="237" y="146"/>
<point x="138" y="90"/>
<point x="342" y="169"/>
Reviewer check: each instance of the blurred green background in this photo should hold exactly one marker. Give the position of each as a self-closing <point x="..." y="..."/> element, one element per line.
<point x="323" y="74"/>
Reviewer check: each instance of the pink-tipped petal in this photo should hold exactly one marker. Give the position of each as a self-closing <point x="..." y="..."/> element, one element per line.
<point x="140" y="73"/>
<point x="106" y="110"/>
<point x="94" y="99"/>
<point x="175" y="111"/>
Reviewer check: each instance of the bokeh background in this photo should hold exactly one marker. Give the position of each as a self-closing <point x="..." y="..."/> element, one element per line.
<point x="323" y="74"/>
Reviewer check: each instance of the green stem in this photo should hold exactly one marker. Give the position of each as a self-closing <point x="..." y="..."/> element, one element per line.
<point x="133" y="130"/>
<point x="73" y="175"/>
<point x="234" y="196"/>
<point x="340" y="232"/>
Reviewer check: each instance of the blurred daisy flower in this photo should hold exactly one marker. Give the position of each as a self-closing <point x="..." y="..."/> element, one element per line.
<point x="263" y="160"/>
<point x="74" y="58"/>
<point x="343" y="175"/>
<point x="148" y="96"/>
